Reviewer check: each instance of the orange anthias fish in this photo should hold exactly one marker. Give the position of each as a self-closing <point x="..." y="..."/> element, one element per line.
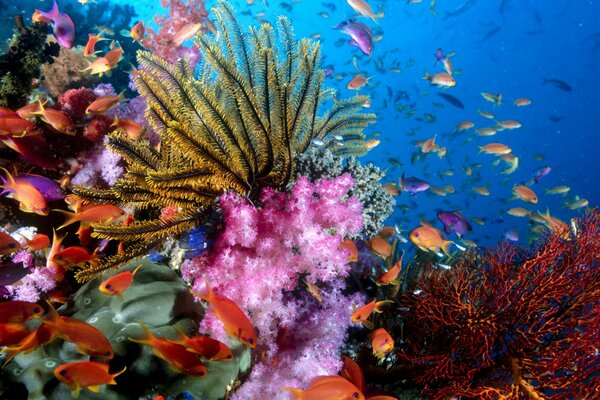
<point x="181" y="359"/>
<point x="102" y="104"/>
<point x="92" y="213"/>
<point x="185" y="33"/>
<point x="138" y="31"/>
<point x="74" y="255"/>
<point x="348" y="244"/>
<point x="522" y="102"/>
<point x="442" y="79"/>
<point x="361" y="7"/>
<point x="380" y="246"/>
<point x="204" y="346"/>
<point x="8" y="244"/>
<point x="382" y="342"/>
<point x="29" y="197"/>
<point x="85" y="374"/>
<point x="87" y="337"/>
<point x="360" y="315"/>
<point x="391" y="276"/>
<point x="430" y="239"/>
<point x="236" y="323"/>
<point x="352" y="372"/>
<point x="13" y="333"/>
<point x="114" y="56"/>
<point x="16" y="126"/>
<point x="327" y="387"/>
<point x="131" y="128"/>
<point x="525" y="193"/>
<point x="58" y="120"/>
<point x="90" y="46"/>
<point x="357" y="82"/>
<point x="19" y="311"/>
<point x="38" y="242"/>
<point x="497" y="149"/>
<point x="118" y="284"/>
<point x="42" y="335"/>
<point x="99" y="66"/>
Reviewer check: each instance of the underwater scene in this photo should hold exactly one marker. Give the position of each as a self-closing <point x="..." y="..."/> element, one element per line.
<point x="304" y="199"/>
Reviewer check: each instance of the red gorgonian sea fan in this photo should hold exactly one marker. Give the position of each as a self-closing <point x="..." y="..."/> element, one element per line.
<point x="510" y="323"/>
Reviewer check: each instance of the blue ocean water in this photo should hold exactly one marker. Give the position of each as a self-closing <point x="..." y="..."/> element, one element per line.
<point x="506" y="46"/>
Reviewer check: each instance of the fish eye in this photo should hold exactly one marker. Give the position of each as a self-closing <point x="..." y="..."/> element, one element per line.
<point x="37" y="309"/>
<point x="251" y="341"/>
<point x="63" y="372"/>
<point x="229" y="356"/>
<point x="107" y="353"/>
<point x="355" y="395"/>
<point x="107" y="286"/>
<point x="416" y="234"/>
<point x="11" y="245"/>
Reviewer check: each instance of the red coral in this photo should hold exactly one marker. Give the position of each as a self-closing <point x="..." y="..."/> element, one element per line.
<point x="97" y="128"/>
<point x="509" y="323"/>
<point x="75" y="101"/>
<point x="181" y="13"/>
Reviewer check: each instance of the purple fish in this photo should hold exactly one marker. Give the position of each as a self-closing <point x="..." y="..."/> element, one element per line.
<point x="64" y="30"/>
<point x="538" y="174"/>
<point x="12" y="272"/>
<point x="413" y="185"/>
<point x="360" y="35"/>
<point x="454" y="221"/>
<point x="512" y="235"/>
<point x="50" y="190"/>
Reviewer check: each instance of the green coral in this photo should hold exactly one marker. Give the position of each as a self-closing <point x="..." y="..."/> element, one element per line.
<point x="20" y="65"/>
<point x="161" y="300"/>
<point x="378" y="205"/>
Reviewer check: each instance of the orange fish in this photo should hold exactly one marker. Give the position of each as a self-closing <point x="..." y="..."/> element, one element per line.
<point x="497" y="149"/>
<point x="352" y="372"/>
<point x="114" y="56"/>
<point x="38" y="242"/>
<point x="29" y="197"/>
<point x="58" y="120"/>
<point x="357" y="82"/>
<point x="99" y="66"/>
<point x="382" y="342"/>
<point x="92" y="213"/>
<point x="88" y="51"/>
<point x="138" y="31"/>
<point x="185" y="33"/>
<point x="102" y="104"/>
<point x="54" y="250"/>
<point x="555" y="224"/>
<point x="42" y="335"/>
<point x="391" y="276"/>
<point x="360" y="315"/>
<point x="430" y="239"/>
<point x="118" y="284"/>
<point x="85" y="374"/>
<point x="132" y="129"/>
<point x="176" y="355"/>
<point x="495" y="99"/>
<point x="348" y="244"/>
<point x="525" y="193"/>
<point x="12" y="333"/>
<point x="380" y="246"/>
<point x="464" y="126"/>
<point x="28" y="110"/>
<point x="88" y="338"/>
<point x="16" y="126"/>
<point x="442" y="79"/>
<point x="314" y="290"/>
<point x="8" y="244"/>
<point x="236" y="323"/>
<point x="508" y="124"/>
<point x="327" y="387"/>
<point x="205" y="346"/>
<point x="74" y="255"/>
<point x="522" y="102"/>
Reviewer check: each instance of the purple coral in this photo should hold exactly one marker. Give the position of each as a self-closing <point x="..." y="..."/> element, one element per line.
<point x="259" y="259"/>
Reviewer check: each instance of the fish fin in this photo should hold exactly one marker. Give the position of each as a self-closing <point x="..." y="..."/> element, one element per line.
<point x="94" y="388"/>
<point x="120" y="296"/>
<point x="54" y="316"/>
<point x="77" y="390"/>
<point x="378" y="306"/>
<point x="113" y="376"/>
<point x="426" y="76"/>
<point x="71" y="218"/>
<point x="125" y="32"/>
<point x="395" y="282"/>
<point x="445" y="247"/>
<point x="368" y="324"/>
<point x="149" y="334"/>
<point x="136" y="270"/>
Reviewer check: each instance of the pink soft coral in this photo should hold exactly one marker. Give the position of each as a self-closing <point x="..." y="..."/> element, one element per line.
<point x="181" y="13"/>
<point x="259" y="259"/>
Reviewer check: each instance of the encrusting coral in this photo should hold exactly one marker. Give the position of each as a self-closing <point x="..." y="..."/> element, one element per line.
<point x="239" y="127"/>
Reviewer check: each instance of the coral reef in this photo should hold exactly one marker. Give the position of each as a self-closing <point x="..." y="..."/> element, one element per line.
<point x="66" y="72"/>
<point x="20" y="65"/>
<point x="259" y="261"/>
<point x="510" y="323"/>
<point x="238" y="128"/>
<point x="158" y="298"/>
<point x="378" y="205"/>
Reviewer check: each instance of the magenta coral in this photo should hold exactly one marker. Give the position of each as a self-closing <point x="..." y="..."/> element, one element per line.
<point x="39" y="280"/>
<point x="259" y="259"/>
<point x="75" y="101"/>
<point x="181" y="13"/>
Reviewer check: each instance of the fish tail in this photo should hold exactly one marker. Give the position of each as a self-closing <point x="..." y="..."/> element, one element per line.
<point x="426" y="76"/>
<point x="149" y="335"/>
<point x="54" y="316"/>
<point x="113" y="376"/>
<point x="446" y="245"/>
<point x="297" y="393"/>
<point x="71" y="218"/>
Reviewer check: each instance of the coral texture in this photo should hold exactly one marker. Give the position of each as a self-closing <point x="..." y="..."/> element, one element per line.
<point x="259" y="260"/>
<point x="511" y="323"/>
